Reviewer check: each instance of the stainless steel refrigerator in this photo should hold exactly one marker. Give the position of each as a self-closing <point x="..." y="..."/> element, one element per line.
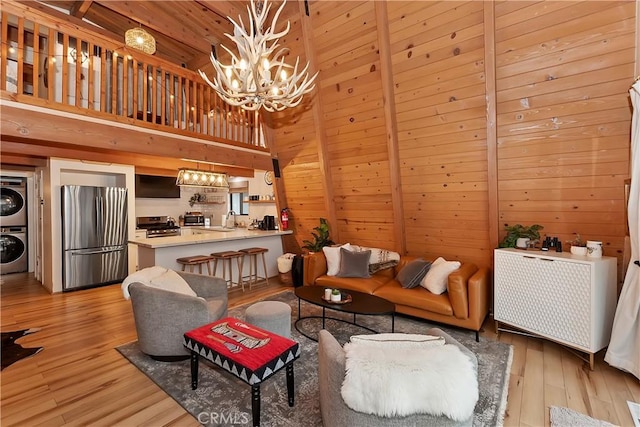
<point x="94" y="236"/>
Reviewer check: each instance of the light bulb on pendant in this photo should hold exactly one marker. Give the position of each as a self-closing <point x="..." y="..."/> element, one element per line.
<point x="243" y="64"/>
<point x="283" y="75"/>
<point x="234" y="84"/>
<point x="227" y="72"/>
<point x="274" y="91"/>
<point x="265" y="64"/>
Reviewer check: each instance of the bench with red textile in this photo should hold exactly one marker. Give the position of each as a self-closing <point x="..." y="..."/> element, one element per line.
<point x="244" y="350"/>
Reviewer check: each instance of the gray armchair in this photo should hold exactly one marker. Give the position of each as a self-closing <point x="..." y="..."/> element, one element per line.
<point x="335" y="413"/>
<point x="162" y="317"/>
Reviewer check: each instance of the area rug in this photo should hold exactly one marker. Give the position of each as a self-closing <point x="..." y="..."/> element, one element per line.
<point x="13" y="352"/>
<point x="225" y="400"/>
<point x="565" y="417"/>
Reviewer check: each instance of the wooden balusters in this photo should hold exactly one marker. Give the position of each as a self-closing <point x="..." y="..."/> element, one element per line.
<point x="20" y="56"/>
<point x="91" y="78"/>
<point x="89" y="72"/>
<point x="36" y="59"/>
<point x="4" y="51"/>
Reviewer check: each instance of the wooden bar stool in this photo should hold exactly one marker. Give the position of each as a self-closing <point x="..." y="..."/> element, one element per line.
<point x="253" y="277"/>
<point x="194" y="260"/>
<point x="227" y="257"/>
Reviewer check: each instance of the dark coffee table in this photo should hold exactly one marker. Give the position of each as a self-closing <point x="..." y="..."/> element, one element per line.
<point x="361" y="303"/>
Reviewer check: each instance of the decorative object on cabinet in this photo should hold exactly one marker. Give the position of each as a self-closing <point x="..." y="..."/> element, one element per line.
<point x="557" y="296"/>
<point x="320" y="239"/>
<point x="594" y="249"/>
<point x="519" y="231"/>
<point x="257" y="76"/>
<point x="578" y="246"/>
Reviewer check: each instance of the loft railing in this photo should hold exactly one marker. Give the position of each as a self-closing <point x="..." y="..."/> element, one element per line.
<point x="91" y="75"/>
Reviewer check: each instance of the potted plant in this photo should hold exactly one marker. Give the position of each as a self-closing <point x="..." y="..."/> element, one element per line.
<point x="578" y="246"/>
<point x="336" y="295"/>
<point x="519" y="236"/>
<point x="320" y="237"/>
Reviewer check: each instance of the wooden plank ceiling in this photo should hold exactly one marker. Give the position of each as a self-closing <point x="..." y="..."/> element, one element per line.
<point x="184" y="30"/>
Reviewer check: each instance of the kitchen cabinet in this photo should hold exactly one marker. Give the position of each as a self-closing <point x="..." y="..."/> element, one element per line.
<point x="566" y="298"/>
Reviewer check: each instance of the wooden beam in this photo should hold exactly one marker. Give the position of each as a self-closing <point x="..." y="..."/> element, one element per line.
<point x="492" y="131"/>
<point x="80" y="7"/>
<point x="388" y="93"/>
<point x="23" y="148"/>
<point x="318" y="121"/>
<point x="25" y="121"/>
<point x="16" y="159"/>
<point x="223" y="8"/>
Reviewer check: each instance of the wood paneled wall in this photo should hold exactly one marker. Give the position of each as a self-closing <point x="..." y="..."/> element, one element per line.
<point x="556" y="155"/>
<point x="438" y="72"/>
<point x="563" y="73"/>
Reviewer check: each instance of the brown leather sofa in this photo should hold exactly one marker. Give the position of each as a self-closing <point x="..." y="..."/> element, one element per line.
<point x="465" y="304"/>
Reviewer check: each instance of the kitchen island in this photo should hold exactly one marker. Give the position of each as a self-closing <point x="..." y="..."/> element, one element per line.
<point x="164" y="251"/>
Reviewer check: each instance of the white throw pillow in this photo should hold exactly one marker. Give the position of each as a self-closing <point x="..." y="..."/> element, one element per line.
<point x="173" y="282"/>
<point x="438" y="380"/>
<point x="332" y="254"/>
<point x="436" y="279"/>
<point x="398" y="341"/>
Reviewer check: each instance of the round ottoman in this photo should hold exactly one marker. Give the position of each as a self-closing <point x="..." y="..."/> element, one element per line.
<point x="274" y="316"/>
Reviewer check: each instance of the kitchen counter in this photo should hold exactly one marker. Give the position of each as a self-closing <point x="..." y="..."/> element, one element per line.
<point x="201" y="240"/>
<point x="202" y="234"/>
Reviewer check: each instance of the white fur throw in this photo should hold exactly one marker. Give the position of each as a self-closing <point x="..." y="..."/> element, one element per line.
<point x="387" y="382"/>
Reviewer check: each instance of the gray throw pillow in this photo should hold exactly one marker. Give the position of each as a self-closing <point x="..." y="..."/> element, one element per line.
<point x="413" y="273"/>
<point x="354" y="264"/>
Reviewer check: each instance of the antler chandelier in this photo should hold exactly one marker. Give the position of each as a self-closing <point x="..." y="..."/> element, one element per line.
<point x="258" y="76"/>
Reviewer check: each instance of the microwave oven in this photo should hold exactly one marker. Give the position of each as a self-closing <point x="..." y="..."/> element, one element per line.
<point x="193" y="219"/>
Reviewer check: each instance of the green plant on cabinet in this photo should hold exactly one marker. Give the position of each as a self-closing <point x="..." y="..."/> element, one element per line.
<point x="514" y="232"/>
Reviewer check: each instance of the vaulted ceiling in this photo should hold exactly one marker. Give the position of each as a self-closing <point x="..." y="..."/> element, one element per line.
<point x="184" y="30"/>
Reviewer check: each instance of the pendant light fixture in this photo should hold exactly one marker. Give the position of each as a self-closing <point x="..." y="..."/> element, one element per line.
<point x="198" y="178"/>
<point x="138" y="38"/>
<point x="258" y="76"/>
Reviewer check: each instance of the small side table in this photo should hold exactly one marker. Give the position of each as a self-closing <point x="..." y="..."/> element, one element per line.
<point x="246" y="351"/>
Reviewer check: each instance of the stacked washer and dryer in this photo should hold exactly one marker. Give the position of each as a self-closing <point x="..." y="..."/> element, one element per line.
<point x="13" y="225"/>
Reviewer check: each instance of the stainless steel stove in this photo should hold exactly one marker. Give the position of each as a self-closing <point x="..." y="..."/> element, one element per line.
<point x="158" y="226"/>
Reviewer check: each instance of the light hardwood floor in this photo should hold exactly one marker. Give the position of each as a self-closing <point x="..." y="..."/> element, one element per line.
<point x="79" y="379"/>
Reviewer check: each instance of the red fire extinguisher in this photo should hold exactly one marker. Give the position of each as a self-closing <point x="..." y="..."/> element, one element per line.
<point x="284" y="216"/>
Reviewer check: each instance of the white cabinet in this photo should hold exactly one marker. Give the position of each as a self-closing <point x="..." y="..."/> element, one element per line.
<point x="566" y="298"/>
